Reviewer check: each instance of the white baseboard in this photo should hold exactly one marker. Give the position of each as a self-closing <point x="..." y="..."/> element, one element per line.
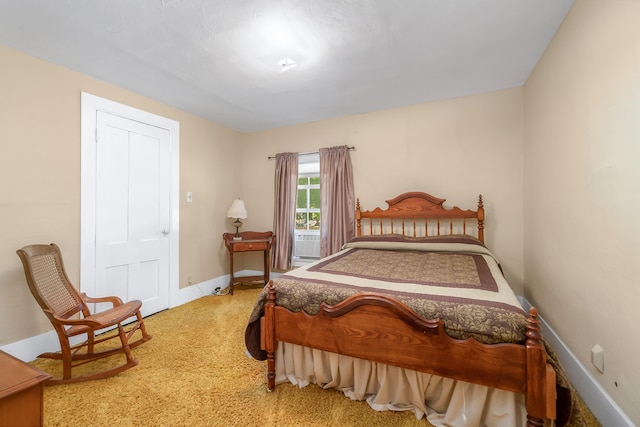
<point x="28" y="349"/>
<point x="594" y="395"/>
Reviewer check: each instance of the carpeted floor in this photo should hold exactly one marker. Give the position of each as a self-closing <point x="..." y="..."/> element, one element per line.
<point x="194" y="372"/>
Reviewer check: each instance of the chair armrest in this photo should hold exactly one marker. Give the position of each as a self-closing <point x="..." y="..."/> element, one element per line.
<point x="116" y="301"/>
<point x="73" y="322"/>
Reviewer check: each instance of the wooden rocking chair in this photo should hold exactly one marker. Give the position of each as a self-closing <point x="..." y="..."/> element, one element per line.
<point x="69" y="314"/>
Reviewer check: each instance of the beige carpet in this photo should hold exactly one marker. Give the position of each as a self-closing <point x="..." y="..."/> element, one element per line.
<point x="194" y="372"/>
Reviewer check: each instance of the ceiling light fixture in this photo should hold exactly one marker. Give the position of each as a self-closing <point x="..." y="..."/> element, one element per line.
<point x="286" y="64"/>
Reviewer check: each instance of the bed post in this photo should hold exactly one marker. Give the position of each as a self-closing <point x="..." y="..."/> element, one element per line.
<point x="358" y="218"/>
<point x="540" y="398"/>
<point x="269" y="335"/>
<point x="480" y="219"/>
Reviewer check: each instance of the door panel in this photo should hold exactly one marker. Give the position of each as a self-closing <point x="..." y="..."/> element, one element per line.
<point x="132" y="211"/>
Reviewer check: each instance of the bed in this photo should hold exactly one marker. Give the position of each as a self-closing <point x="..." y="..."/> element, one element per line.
<point x="414" y="302"/>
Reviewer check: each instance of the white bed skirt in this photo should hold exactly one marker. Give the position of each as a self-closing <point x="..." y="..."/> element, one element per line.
<point x="444" y="402"/>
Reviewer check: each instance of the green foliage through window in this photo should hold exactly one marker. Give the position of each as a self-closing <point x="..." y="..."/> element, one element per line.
<point x="308" y="204"/>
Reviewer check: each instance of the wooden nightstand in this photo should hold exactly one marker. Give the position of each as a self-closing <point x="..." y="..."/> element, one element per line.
<point x="20" y="392"/>
<point x="251" y="241"/>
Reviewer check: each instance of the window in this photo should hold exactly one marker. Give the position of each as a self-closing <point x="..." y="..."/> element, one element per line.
<point x="308" y="204"/>
<point x="308" y="218"/>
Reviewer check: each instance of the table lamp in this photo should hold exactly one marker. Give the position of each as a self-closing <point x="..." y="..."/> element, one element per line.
<point x="237" y="211"/>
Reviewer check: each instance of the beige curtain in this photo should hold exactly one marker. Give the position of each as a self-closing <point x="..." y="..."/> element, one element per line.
<point x="284" y="214"/>
<point x="337" y="199"/>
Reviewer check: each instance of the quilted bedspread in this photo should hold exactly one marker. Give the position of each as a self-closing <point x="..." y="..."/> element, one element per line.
<point x="454" y="278"/>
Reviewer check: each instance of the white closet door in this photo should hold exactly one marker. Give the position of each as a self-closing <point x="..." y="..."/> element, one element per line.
<point x="132" y="211"/>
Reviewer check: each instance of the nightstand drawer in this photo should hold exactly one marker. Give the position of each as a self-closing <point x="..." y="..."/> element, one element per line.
<point x="249" y="246"/>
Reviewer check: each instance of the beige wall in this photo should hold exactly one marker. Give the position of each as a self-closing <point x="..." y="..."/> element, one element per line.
<point x="582" y="190"/>
<point x="40" y="179"/>
<point x="454" y="149"/>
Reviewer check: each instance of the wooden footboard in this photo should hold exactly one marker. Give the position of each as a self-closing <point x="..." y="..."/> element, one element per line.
<point x="369" y="321"/>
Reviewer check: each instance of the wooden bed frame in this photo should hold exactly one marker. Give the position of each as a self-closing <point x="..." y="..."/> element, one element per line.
<point x="402" y="338"/>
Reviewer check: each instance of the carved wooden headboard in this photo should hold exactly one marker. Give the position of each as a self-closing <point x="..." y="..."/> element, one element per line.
<point x="420" y="214"/>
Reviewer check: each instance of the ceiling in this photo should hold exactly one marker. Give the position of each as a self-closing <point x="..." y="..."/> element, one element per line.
<point x="219" y="59"/>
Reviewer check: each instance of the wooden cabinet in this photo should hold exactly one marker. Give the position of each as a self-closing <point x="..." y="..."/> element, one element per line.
<point x="249" y="241"/>
<point x="21" y="392"/>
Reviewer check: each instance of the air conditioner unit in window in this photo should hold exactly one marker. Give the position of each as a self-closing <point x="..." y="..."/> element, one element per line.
<point x="306" y="246"/>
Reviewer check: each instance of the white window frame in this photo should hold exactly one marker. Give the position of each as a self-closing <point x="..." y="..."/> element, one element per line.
<point x="308" y="167"/>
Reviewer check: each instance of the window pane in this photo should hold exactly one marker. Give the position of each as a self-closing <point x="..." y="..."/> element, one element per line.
<point x="315" y="180"/>
<point x="314" y="196"/>
<point x="302" y="199"/>
<point x="314" y="220"/>
<point x="303" y="181"/>
<point x="301" y="220"/>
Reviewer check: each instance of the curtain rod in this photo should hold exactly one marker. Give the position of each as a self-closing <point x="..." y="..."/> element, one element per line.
<point x="308" y="152"/>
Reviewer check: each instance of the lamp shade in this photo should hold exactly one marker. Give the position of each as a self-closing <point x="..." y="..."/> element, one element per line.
<point x="237" y="209"/>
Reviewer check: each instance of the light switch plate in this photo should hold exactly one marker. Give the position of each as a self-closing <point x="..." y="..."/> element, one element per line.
<point x="597" y="357"/>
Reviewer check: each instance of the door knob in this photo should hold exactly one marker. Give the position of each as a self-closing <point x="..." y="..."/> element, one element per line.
<point x="165" y="231"/>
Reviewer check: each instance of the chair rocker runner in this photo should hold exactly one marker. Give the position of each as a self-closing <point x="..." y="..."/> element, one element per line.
<point x="69" y="314"/>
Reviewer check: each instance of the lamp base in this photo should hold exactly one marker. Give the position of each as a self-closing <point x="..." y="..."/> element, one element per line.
<point x="237" y="223"/>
